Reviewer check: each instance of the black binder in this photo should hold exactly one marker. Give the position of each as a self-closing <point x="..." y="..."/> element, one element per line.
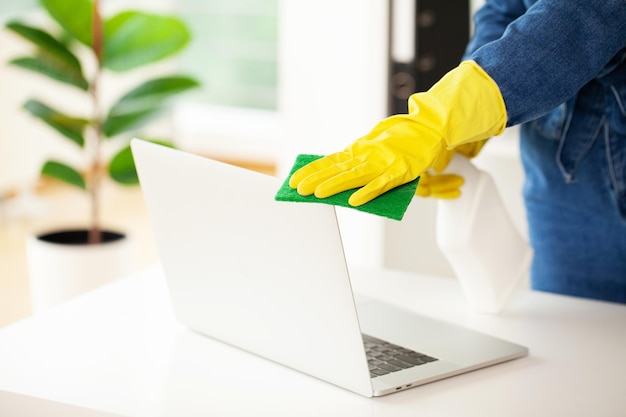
<point x="440" y="31"/>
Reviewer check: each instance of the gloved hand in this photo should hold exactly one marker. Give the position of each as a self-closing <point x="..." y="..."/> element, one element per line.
<point x="443" y="186"/>
<point x="464" y="106"/>
<point x="446" y="186"/>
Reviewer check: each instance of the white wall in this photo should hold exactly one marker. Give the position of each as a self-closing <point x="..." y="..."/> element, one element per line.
<point x="333" y="69"/>
<point x="333" y="58"/>
<point x="19" y="153"/>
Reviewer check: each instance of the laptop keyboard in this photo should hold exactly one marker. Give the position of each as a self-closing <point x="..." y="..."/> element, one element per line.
<point x="384" y="357"/>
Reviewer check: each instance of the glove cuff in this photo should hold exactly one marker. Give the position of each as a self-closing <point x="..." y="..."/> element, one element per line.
<point x="464" y="106"/>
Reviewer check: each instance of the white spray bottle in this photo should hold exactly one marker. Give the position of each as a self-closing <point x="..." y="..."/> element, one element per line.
<point x="477" y="236"/>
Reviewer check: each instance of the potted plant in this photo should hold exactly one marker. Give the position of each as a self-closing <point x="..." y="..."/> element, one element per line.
<point x="119" y="43"/>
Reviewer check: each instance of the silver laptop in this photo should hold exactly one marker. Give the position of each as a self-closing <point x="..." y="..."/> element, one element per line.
<point x="270" y="278"/>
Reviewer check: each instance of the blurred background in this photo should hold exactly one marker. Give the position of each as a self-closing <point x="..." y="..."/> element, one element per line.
<point x="279" y="77"/>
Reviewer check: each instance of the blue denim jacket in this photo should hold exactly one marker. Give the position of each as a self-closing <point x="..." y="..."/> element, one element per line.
<point x="562" y="65"/>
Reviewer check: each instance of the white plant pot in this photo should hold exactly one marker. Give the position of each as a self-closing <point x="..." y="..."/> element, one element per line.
<point x="60" y="271"/>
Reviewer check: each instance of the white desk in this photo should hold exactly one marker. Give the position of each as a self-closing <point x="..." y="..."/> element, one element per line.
<point x="119" y="350"/>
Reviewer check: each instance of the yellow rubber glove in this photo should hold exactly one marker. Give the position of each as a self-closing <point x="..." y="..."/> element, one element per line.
<point x="446" y="186"/>
<point x="464" y="106"/>
<point x="443" y="186"/>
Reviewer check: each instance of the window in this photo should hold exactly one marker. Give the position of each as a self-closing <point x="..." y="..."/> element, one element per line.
<point x="11" y="9"/>
<point x="234" y="51"/>
<point x="233" y="54"/>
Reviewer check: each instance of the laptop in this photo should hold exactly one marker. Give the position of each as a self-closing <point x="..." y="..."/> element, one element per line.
<point x="271" y="278"/>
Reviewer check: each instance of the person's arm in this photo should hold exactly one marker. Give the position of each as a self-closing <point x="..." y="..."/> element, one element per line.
<point x="546" y="55"/>
<point x="491" y="20"/>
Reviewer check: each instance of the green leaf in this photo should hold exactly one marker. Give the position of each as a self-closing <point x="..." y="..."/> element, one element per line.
<point x="64" y="172"/>
<point x="156" y="90"/>
<point x="74" y="16"/>
<point x="122" y="166"/>
<point x="53" y="69"/>
<point x="141" y="104"/>
<point x="133" y="39"/>
<point x="53" y="58"/>
<point x="45" y="41"/>
<point x="70" y="127"/>
<point x="116" y="124"/>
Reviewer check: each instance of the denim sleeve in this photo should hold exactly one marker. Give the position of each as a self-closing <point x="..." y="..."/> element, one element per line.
<point x="550" y="52"/>
<point x="491" y="20"/>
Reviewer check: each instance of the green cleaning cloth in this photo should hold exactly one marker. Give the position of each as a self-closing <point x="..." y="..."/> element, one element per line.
<point x="392" y="204"/>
